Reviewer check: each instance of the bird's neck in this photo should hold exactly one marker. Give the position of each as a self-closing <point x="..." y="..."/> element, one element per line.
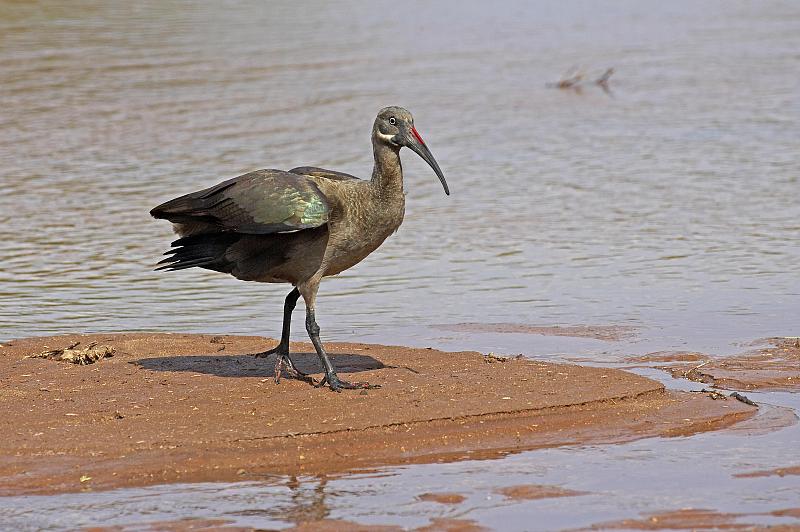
<point x="387" y="175"/>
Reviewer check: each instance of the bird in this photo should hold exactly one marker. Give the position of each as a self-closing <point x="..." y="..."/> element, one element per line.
<point x="297" y="227"/>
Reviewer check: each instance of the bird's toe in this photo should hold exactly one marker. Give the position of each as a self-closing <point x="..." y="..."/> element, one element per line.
<point x="337" y="385"/>
<point x="265" y="354"/>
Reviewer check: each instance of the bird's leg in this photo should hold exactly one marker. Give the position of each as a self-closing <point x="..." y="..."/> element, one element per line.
<point x="282" y="359"/>
<point x="330" y="378"/>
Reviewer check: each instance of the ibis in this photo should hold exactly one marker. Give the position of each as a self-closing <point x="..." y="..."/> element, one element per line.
<point x="297" y="227"/>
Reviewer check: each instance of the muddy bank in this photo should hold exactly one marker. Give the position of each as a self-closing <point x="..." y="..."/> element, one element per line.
<point x="440" y="524"/>
<point x="780" y="472"/>
<point x="775" y="367"/>
<point x="536" y="491"/>
<point x="174" y="407"/>
<point x="701" y="519"/>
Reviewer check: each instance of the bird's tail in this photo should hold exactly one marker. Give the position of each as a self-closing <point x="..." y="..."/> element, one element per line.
<point x="202" y="251"/>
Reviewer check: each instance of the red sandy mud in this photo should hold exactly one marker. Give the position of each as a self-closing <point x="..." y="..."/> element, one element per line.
<point x="442" y="498"/>
<point x="536" y="491"/>
<point x="780" y="472"/>
<point x="340" y="525"/>
<point x="669" y="356"/>
<point x="181" y="525"/>
<point x="444" y="524"/>
<point x="776" y="367"/>
<point x="436" y="525"/>
<point x="175" y="407"/>
<point x="610" y="333"/>
<point x="698" y="519"/>
<point x="321" y="525"/>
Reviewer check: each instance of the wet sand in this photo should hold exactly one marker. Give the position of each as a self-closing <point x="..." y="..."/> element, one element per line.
<point x="780" y="472"/>
<point x="184" y="408"/>
<point x="775" y="367"/>
<point x="440" y="524"/>
<point x="702" y="519"/>
<point x="536" y="491"/>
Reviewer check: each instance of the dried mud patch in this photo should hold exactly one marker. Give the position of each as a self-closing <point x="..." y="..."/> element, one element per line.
<point x="189" y="408"/>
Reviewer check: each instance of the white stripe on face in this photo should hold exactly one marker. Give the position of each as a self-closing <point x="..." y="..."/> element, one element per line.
<point x="384" y="136"/>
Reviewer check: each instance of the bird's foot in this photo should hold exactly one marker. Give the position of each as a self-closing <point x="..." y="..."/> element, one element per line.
<point x="265" y="354"/>
<point x="337" y="385"/>
<point x="284" y="364"/>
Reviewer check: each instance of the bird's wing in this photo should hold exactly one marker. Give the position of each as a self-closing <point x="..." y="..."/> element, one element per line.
<point x="313" y="171"/>
<point x="260" y="202"/>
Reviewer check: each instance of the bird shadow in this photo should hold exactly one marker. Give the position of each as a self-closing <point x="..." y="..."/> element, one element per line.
<point x="250" y="366"/>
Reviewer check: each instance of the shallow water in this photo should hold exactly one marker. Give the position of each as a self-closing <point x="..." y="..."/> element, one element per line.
<point x="669" y="205"/>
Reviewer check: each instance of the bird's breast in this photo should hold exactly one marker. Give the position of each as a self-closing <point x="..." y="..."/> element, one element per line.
<point x="359" y="232"/>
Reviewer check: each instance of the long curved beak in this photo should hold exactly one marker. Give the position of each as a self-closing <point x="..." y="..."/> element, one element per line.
<point x="415" y="142"/>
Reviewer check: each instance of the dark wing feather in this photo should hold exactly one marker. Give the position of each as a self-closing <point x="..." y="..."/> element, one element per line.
<point x="205" y="251"/>
<point x="313" y="171"/>
<point x="261" y="202"/>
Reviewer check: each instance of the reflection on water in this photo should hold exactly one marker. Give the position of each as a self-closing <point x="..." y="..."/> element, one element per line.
<point x="670" y="204"/>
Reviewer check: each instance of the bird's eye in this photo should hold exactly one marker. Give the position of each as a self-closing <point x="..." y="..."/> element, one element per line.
<point x="392" y="121"/>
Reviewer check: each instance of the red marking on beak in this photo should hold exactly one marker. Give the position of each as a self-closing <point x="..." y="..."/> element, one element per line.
<point x="417" y="136"/>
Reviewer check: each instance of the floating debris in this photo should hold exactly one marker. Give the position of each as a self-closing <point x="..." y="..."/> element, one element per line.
<point x="570" y="80"/>
<point x="575" y="79"/>
<point x="796" y="339"/>
<point x="694" y="375"/>
<point x="602" y="81"/>
<point x="491" y="358"/>
<point x="82" y="356"/>
<point x="743" y="398"/>
<point x="714" y="394"/>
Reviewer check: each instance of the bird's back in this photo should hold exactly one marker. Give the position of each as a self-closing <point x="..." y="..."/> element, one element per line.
<point x="268" y="225"/>
<point x="275" y="226"/>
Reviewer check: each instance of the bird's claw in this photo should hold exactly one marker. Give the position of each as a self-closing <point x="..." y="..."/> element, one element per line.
<point x="278" y="369"/>
<point x="284" y="364"/>
<point x="337" y="385"/>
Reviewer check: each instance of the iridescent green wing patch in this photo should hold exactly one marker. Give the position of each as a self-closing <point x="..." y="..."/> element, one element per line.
<point x="261" y="202"/>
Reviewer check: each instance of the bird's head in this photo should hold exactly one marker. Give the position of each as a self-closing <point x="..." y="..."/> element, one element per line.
<point x="394" y="127"/>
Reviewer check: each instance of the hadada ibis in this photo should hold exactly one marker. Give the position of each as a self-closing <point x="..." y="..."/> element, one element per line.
<point x="297" y="227"/>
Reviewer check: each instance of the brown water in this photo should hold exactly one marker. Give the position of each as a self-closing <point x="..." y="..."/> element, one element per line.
<point x="669" y="205"/>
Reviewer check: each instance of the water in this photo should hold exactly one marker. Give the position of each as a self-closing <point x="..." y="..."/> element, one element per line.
<point x="669" y="205"/>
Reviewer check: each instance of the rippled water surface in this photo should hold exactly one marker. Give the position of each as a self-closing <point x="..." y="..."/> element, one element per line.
<point x="669" y="204"/>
